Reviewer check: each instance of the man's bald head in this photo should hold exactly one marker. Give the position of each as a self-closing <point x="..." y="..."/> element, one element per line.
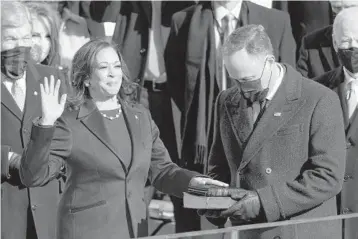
<point x="345" y="31"/>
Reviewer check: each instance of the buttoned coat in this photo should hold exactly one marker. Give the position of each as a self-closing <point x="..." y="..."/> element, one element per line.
<point x="102" y="198"/>
<point x="18" y="203"/>
<point x="294" y="158"/>
<point x="348" y="198"/>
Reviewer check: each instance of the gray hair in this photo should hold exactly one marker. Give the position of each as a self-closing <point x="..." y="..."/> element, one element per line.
<point x="14" y="14"/>
<point x="252" y="38"/>
<point x="344" y="17"/>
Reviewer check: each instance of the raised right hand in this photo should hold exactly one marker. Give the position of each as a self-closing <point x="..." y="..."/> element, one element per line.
<point x="51" y="107"/>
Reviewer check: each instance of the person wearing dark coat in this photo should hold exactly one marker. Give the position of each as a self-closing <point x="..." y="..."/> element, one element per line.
<point x="195" y="72"/>
<point x="278" y="142"/>
<point x="316" y="54"/>
<point x="25" y="212"/>
<point x="342" y="80"/>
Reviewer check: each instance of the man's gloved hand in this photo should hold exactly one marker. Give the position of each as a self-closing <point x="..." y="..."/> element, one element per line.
<point x="246" y="209"/>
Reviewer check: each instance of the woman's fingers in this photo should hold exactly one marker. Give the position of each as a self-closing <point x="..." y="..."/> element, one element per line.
<point x="46" y="86"/>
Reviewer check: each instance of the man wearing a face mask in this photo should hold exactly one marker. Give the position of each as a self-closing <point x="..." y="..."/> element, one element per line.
<point x="279" y="143"/>
<point x="344" y="81"/>
<point x="25" y="213"/>
<point x="317" y="55"/>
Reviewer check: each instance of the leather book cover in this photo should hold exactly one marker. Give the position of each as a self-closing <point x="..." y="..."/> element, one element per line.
<point x="202" y="202"/>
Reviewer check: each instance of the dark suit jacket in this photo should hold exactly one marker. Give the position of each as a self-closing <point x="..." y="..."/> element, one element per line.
<point x="317" y="55"/>
<point x="132" y="31"/>
<point x="184" y="68"/>
<point x="294" y="159"/>
<point x="307" y="16"/>
<point x="102" y="198"/>
<point x="349" y="195"/>
<point x="17" y="200"/>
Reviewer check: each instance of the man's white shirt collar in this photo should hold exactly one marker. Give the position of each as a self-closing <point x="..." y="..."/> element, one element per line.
<point x="220" y="11"/>
<point x="22" y="83"/>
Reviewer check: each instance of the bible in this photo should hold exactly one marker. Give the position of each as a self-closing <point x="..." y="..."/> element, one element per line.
<point x="203" y="202"/>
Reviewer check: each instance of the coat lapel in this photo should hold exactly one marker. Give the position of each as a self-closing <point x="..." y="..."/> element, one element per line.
<point x="239" y="117"/>
<point x="132" y="116"/>
<point x="283" y="107"/>
<point x="92" y="119"/>
<point x="32" y="94"/>
<point x="326" y="50"/>
<point x="8" y="101"/>
<point x="147" y="9"/>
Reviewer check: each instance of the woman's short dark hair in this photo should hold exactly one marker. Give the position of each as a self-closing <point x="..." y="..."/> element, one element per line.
<point x="82" y="69"/>
<point x="43" y="10"/>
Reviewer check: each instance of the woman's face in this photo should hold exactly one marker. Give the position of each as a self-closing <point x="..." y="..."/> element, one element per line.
<point x="106" y="78"/>
<point x="41" y="39"/>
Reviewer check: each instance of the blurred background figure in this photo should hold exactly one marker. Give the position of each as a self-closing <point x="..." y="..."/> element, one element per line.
<point x="343" y="80"/>
<point x="317" y="55"/>
<point x="45" y="25"/>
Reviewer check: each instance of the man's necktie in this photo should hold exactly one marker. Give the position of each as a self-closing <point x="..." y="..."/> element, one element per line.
<point x="226" y="29"/>
<point x="351" y="98"/>
<point x="18" y="94"/>
<point x="257" y="102"/>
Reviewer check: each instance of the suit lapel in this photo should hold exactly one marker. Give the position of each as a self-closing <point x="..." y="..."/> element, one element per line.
<point x="92" y="119"/>
<point x="335" y="83"/>
<point x="283" y="107"/>
<point x="8" y="101"/>
<point x="147" y="9"/>
<point x="326" y="50"/>
<point x="132" y="116"/>
<point x="32" y="94"/>
<point x="239" y="117"/>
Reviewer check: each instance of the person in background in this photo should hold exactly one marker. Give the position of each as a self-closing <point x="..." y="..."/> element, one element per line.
<point x="317" y="55"/>
<point x="343" y="80"/>
<point x="196" y="74"/>
<point x="278" y="142"/>
<point x="25" y="213"/>
<point x="73" y="33"/>
<point x="107" y="172"/>
<point x="142" y="31"/>
<point x="45" y="25"/>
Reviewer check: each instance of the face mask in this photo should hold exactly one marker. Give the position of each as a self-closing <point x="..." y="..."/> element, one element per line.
<point x="349" y="59"/>
<point x="14" y="62"/>
<point x="253" y="89"/>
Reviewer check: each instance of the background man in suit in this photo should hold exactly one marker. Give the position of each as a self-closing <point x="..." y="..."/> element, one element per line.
<point x="343" y="80"/>
<point x="142" y="30"/>
<point x="281" y="137"/>
<point x="316" y="55"/>
<point x="26" y="213"/>
<point x="196" y="74"/>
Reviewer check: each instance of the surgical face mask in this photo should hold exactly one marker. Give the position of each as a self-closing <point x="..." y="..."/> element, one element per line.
<point x="349" y="59"/>
<point x="14" y="62"/>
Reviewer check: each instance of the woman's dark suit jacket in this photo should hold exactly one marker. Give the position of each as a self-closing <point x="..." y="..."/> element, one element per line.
<point x="102" y="198"/>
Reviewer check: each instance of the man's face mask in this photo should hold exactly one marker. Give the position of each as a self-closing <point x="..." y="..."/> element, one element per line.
<point x="349" y="58"/>
<point x="253" y="89"/>
<point x="14" y="62"/>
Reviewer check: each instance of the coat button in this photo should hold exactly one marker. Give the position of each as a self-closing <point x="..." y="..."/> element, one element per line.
<point x="143" y="50"/>
<point x="268" y="170"/>
<point x="33" y="207"/>
<point x="129" y="194"/>
<point x="348" y="145"/>
<point x="346" y="210"/>
<point x="346" y="178"/>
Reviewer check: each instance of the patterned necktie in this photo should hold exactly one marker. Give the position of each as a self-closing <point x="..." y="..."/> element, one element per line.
<point x="351" y="98"/>
<point x="18" y="94"/>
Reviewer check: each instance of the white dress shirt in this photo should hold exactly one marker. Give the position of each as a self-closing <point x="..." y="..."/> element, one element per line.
<point x="273" y="89"/>
<point x="21" y="82"/>
<point x="352" y="98"/>
<point x="221" y="12"/>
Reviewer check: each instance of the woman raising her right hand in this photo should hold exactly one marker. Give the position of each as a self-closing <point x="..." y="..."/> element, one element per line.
<point x="110" y="145"/>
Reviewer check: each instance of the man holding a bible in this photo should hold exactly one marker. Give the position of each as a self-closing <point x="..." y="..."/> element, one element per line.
<point x="278" y="141"/>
